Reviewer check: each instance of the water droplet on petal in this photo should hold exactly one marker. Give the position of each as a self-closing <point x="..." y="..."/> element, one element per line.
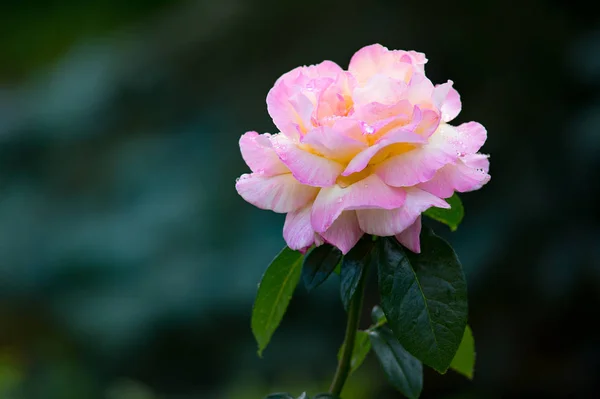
<point x="339" y="200"/>
<point x="367" y="129"/>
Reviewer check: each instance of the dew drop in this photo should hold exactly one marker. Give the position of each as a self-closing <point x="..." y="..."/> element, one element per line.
<point x="339" y="200"/>
<point x="367" y="129"/>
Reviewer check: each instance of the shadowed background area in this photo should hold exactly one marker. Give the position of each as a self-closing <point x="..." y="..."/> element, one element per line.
<point x="128" y="264"/>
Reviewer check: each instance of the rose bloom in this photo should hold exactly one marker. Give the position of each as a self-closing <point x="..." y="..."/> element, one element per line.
<point x="361" y="151"/>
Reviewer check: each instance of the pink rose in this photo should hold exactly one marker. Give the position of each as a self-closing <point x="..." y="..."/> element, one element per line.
<point x="361" y="151"/>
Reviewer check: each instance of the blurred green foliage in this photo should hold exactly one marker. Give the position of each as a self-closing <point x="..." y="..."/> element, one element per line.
<point x="35" y="33"/>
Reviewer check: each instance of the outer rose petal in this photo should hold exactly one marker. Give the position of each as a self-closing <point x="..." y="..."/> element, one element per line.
<point x="420" y="164"/>
<point x="457" y="177"/>
<point x="410" y="237"/>
<point x="471" y="137"/>
<point x="281" y="193"/>
<point x="447" y="99"/>
<point x="345" y="232"/>
<point x="307" y="168"/>
<point x="297" y="230"/>
<point x="384" y="222"/>
<point x="369" y="193"/>
<point x="477" y="161"/>
<point x="259" y="155"/>
<point x="333" y="144"/>
<point x="413" y="167"/>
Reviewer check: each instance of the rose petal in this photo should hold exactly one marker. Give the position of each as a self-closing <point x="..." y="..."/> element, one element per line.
<point x="420" y="164"/>
<point x="379" y="89"/>
<point x="470" y="138"/>
<point x="333" y="144"/>
<point x="350" y="127"/>
<point x="307" y="168"/>
<point x="447" y="99"/>
<point x="384" y="222"/>
<point x="395" y="136"/>
<point x="292" y="100"/>
<point x="325" y="69"/>
<point x="477" y="161"/>
<point x="378" y="115"/>
<point x="297" y="230"/>
<point x="369" y="193"/>
<point x="281" y="193"/>
<point x="336" y="99"/>
<point x="456" y="177"/>
<point x="259" y="154"/>
<point x="289" y="109"/>
<point x="419" y="89"/>
<point x="413" y="167"/>
<point x="345" y="232"/>
<point x="366" y="62"/>
<point x="410" y="236"/>
<point x="376" y="59"/>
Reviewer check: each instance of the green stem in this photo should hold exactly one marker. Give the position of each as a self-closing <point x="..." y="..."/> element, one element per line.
<point x="343" y="368"/>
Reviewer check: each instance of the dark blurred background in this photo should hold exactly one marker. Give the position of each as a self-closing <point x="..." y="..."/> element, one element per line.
<point x="128" y="264"/>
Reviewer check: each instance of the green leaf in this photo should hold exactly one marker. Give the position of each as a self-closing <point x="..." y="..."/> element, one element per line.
<point x="424" y="297"/>
<point x="318" y="265"/>
<point x="338" y="269"/>
<point x="377" y="315"/>
<point x="274" y="293"/>
<point x="464" y="360"/>
<point x="402" y="369"/>
<point x="353" y="265"/>
<point x="326" y="396"/>
<point x="361" y="349"/>
<point x="450" y="217"/>
<point x="280" y="395"/>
